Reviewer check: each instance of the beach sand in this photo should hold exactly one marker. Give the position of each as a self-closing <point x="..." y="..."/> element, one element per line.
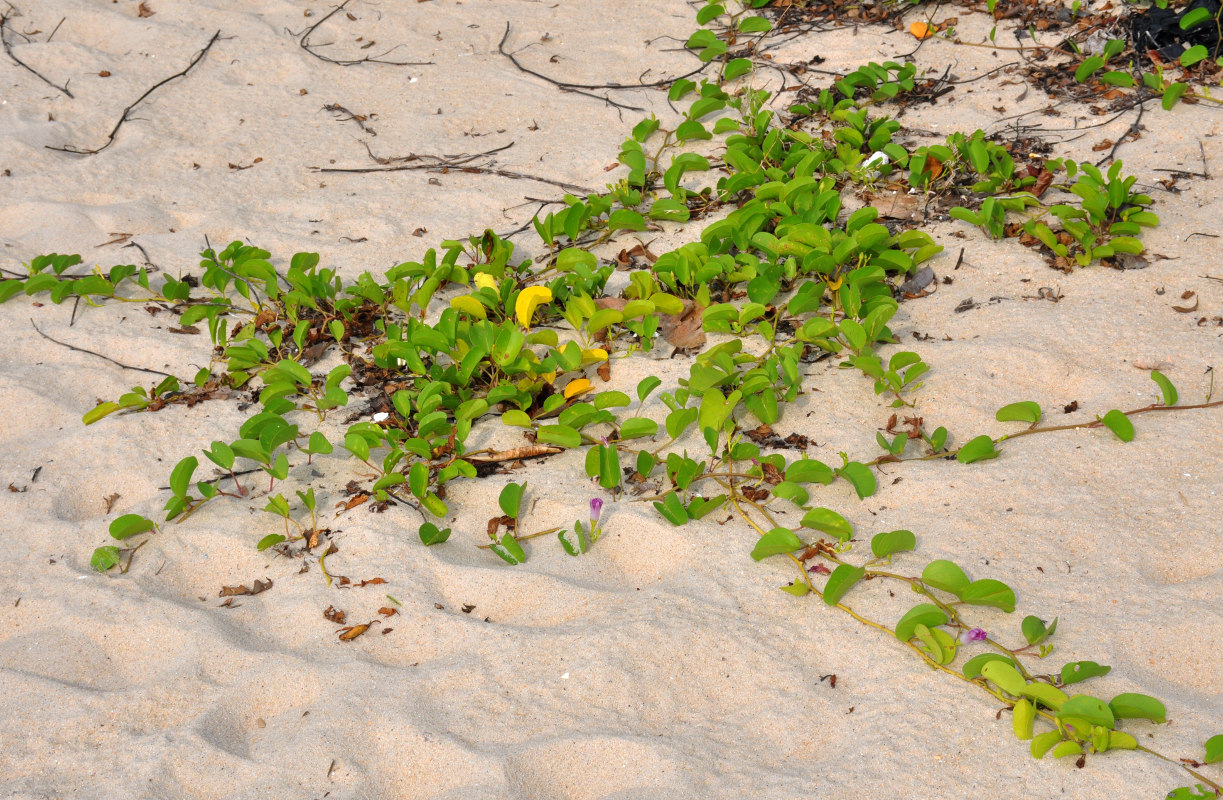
<point x="665" y="663"/>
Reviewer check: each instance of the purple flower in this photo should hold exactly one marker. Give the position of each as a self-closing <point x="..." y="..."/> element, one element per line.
<point x="596" y="508"/>
<point x="977" y="635"/>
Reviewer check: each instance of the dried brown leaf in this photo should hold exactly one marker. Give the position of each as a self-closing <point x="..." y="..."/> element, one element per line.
<point x="333" y="614"/>
<point x="683" y="330"/>
<point x="348" y="634"/>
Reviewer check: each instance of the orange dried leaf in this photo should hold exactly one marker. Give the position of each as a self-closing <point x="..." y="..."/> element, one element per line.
<point x="921" y="30"/>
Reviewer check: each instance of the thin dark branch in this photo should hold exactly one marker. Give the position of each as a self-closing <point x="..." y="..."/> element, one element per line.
<point x="99" y="355"/>
<point x="110" y="139"/>
<point x="55" y="30"/>
<point x="461" y="162"/>
<point x="304" y="41"/>
<point x="8" y="48"/>
<point x="576" y="88"/>
<point x="1134" y="129"/>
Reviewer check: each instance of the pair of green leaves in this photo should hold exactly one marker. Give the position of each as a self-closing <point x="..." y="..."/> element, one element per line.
<point x="948" y="577"/>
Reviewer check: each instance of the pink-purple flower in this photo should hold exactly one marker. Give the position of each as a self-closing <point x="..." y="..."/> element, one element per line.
<point x="596" y="508"/>
<point x="976" y="635"/>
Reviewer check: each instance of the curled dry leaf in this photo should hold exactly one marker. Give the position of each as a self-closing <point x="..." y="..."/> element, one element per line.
<point x="387" y="611"/>
<point x="517" y="454"/>
<point x="1187" y="309"/>
<point x="371" y="582"/>
<point x="348" y="634"/>
<point x="333" y="614"/>
<point x="233" y="591"/>
<point x="683" y="330"/>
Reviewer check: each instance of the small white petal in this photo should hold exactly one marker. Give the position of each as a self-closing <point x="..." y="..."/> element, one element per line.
<point x="381" y="416"/>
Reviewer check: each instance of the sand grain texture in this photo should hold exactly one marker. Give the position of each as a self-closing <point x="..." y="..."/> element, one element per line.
<point x="665" y="664"/>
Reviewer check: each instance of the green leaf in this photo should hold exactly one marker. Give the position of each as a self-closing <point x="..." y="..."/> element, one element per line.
<point x="989" y="592"/>
<point x="100" y="410"/>
<point x="604" y="400"/>
<point x="972" y="667"/>
<point x="1004" y="676"/>
<point x="509" y="550"/>
<point x="560" y="435"/>
<point x="776" y="542"/>
<point x="672" y="509"/>
<point x="1026" y="411"/>
<point x="860" y="477"/>
<point x="926" y="614"/>
<point x="1195" y="17"/>
<point x="511" y="499"/>
<point x="1092" y="709"/>
<point x="809" y="470"/>
<point x="979" y="448"/>
<point x="1165" y="386"/>
<point x="886" y="544"/>
<point x="636" y="427"/>
<point x="435" y="505"/>
<point x="798" y="588"/>
<point x="1049" y="696"/>
<point x="318" y="444"/>
<point x="107" y="556"/>
<point x="1043" y="742"/>
<point x="129" y="525"/>
<point x="1120" y="424"/>
<point x="1088" y="67"/>
<point x="1034" y="629"/>
<point x="755" y="25"/>
<point x="418" y="479"/>
<point x="1196" y="53"/>
<point x="707" y="14"/>
<point x="1138" y="706"/>
<point x="625" y="219"/>
<point x="180" y="478"/>
<point x="1172" y="94"/>
<point x="668" y="209"/>
<point x="945" y="575"/>
<point x="646" y="386"/>
<point x="430" y="535"/>
<point x="269" y="541"/>
<point x="736" y="68"/>
<point x="1214" y="749"/>
<point x="841" y="581"/>
<point x="936" y="643"/>
<point x="830" y="522"/>
<point x="1077" y="671"/>
<point x="641" y="132"/>
<point x="516" y="418"/>
<point x="789" y="490"/>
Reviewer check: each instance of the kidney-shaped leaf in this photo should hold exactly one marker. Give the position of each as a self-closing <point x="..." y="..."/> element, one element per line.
<point x="841" y="581"/>
<point x="776" y="542"/>
<point x="1138" y="706"/>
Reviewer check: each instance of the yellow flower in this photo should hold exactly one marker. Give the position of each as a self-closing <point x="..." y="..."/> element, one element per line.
<point x="528" y="300"/>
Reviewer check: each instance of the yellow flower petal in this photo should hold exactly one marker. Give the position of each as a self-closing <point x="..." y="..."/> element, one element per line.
<point x="576" y="387"/>
<point x="528" y="300"/>
<point x="485" y="281"/>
